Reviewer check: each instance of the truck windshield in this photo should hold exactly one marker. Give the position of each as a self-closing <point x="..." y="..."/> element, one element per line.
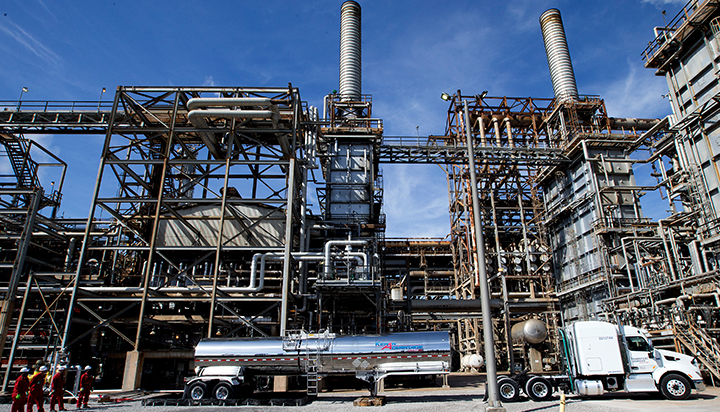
<point x="637" y="344"/>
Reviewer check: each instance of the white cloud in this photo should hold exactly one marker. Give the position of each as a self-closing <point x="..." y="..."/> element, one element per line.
<point x="29" y="42"/>
<point x="659" y="3"/>
<point x="416" y="201"/>
<point x="209" y="81"/>
<point x="638" y="94"/>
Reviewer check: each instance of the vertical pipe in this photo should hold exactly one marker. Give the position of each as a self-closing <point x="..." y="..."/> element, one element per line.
<point x="288" y="246"/>
<point x="492" y="387"/>
<point x="496" y="126"/>
<point x="350" y="51"/>
<point x="508" y="130"/>
<point x="558" y="56"/>
<point x="481" y="128"/>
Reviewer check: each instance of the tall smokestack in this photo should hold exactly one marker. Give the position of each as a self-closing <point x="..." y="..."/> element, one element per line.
<point x="558" y="56"/>
<point x="350" y="52"/>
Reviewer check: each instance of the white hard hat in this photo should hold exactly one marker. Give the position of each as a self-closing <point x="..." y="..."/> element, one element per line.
<point x="87" y="368"/>
<point x="43" y="368"/>
<point x="61" y="367"/>
<point x="24" y="370"/>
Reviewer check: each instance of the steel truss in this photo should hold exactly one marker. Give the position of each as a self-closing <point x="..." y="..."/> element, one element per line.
<point x="193" y="183"/>
<point x="517" y="254"/>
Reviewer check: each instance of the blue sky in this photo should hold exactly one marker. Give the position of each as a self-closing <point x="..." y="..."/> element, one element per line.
<point x="412" y="51"/>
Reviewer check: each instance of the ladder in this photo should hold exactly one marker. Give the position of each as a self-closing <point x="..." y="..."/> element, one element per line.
<point x="311" y="369"/>
<point x="697" y="341"/>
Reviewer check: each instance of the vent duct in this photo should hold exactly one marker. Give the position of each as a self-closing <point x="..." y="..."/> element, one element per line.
<point x="350" y="52"/>
<point x="558" y="56"/>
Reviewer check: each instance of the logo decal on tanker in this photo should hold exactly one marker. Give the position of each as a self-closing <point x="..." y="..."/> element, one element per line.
<point x="395" y="346"/>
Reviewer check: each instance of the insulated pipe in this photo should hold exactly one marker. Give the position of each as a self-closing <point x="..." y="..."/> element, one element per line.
<point x="197" y="118"/>
<point x="481" y="127"/>
<point x="350" y="51"/>
<point x="198" y="102"/>
<point x="199" y="115"/>
<point x="330" y="244"/>
<point x="496" y="126"/>
<point x="558" y="56"/>
<point x="508" y="130"/>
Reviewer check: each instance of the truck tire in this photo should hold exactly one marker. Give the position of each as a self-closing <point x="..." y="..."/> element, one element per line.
<point x="675" y="387"/>
<point x="223" y="391"/>
<point x="508" y="390"/>
<point x="538" y="389"/>
<point x="197" y="391"/>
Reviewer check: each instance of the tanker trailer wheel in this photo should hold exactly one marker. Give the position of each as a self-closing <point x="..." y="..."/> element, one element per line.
<point x="675" y="387"/>
<point x="223" y="391"/>
<point x="538" y="389"/>
<point x="508" y="390"/>
<point x="197" y="391"/>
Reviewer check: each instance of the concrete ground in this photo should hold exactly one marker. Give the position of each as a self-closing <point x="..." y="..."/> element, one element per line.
<point x="464" y="394"/>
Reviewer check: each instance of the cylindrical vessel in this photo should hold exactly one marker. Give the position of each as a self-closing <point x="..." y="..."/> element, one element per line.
<point x="588" y="387"/>
<point x="532" y="331"/>
<point x="474" y="361"/>
<point x="350" y="52"/>
<point x="558" y="56"/>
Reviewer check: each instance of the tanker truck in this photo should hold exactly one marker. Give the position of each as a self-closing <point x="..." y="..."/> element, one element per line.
<point x="226" y="368"/>
<point x="602" y="357"/>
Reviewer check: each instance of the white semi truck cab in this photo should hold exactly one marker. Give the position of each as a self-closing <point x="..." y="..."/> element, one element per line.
<point x="602" y="357"/>
<point x="605" y="357"/>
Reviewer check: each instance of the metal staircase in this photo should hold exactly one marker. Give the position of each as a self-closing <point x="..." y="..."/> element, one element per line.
<point x="702" y="346"/>
<point x="24" y="167"/>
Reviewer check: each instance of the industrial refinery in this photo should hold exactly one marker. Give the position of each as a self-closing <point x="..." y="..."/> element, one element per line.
<point x="200" y="225"/>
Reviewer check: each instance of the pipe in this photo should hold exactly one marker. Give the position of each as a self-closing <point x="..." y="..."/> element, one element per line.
<point x="558" y="56"/>
<point x="671" y="261"/>
<point x="627" y="262"/>
<point x="508" y="130"/>
<point x="197" y="118"/>
<point x="328" y="265"/>
<point x="496" y="126"/>
<point x="198" y="102"/>
<point x="350" y="51"/>
<point x="481" y="128"/>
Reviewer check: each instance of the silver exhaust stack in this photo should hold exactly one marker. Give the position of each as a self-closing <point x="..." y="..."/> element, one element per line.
<point x="558" y="56"/>
<point x="350" y="52"/>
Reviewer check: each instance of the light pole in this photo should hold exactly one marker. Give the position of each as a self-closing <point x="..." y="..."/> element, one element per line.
<point x="491" y="373"/>
<point x="24" y="90"/>
<point x="101" y="95"/>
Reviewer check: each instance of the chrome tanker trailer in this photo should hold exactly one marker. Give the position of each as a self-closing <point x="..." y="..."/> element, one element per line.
<point x="225" y="367"/>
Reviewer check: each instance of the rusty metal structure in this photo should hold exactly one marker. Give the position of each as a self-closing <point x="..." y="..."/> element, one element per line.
<point x="200" y="225"/>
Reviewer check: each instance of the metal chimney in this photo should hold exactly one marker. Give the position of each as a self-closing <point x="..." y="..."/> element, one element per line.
<point x="558" y="56"/>
<point x="350" y="52"/>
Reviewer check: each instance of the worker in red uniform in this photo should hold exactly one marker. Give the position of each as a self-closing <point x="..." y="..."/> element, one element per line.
<point x="19" y="395"/>
<point x="57" y="388"/>
<point x="86" y="385"/>
<point x="36" y="395"/>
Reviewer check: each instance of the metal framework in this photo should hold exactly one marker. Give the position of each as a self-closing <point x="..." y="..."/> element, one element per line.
<point x="517" y="254"/>
<point x="193" y="183"/>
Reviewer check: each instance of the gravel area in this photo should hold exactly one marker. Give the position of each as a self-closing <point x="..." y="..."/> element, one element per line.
<point x="464" y="394"/>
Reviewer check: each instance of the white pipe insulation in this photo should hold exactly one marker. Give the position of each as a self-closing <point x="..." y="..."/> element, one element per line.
<point x="330" y="244"/>
<point x="197" y="116"/>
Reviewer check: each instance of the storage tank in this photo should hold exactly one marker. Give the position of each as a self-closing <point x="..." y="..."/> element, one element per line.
<point x="532" y="331"/>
